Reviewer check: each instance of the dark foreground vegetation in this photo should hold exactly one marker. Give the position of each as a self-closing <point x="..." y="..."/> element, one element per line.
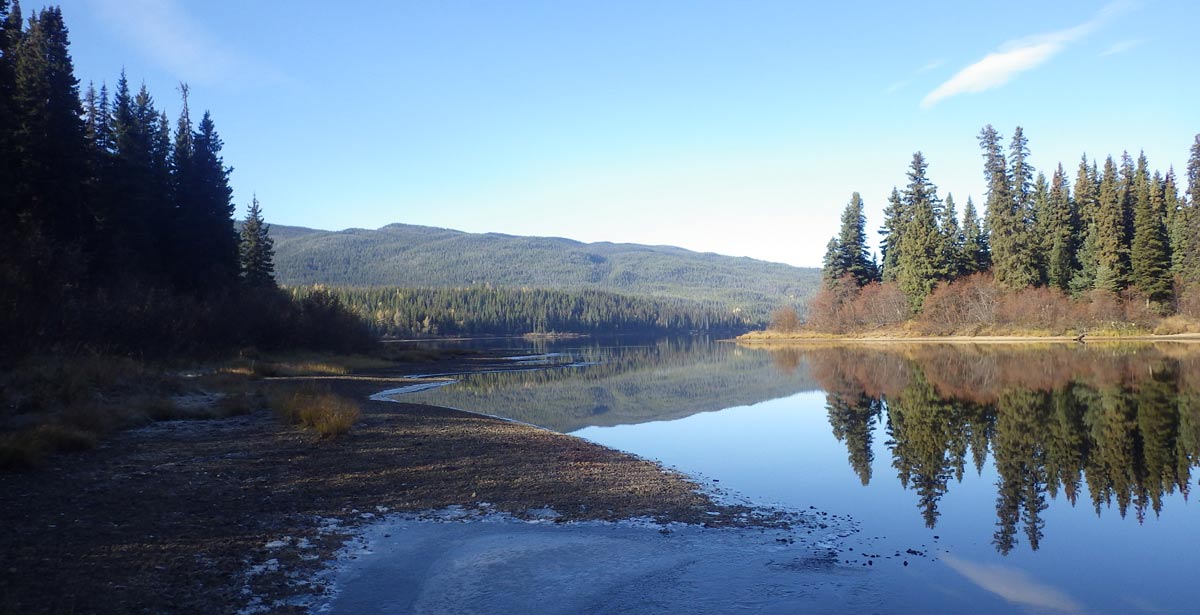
<point x="116" y="230"/>
<point x="1119" y="249"/>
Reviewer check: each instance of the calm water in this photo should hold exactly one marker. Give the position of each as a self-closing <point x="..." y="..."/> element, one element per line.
<point x="1024" y="479"/>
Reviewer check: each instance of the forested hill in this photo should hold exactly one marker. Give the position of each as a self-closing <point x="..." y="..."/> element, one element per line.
<point x="420" y="256"/>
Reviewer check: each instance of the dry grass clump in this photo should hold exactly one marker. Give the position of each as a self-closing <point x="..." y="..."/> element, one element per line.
<point x="293" y="365"/>
<point x="316" y="408"/>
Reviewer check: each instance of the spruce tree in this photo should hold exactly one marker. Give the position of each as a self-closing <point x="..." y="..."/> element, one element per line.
<point x="1087" y="204"/>
<point x="217" y="260"/>
<point x="1009" y="200"/>
<point x="1041" y="239"/>
<point x="1178" y="222"/>
<point x="1111" y="245"/>
<point x="1190" y="267"/>
<point x="257" y="249"/>
<point x="10" y="36"/>
<point x="1150" y="261"/>
<point x="852" y="256"/>
<point x="953" y="241"/>
<point x="48" y="135"/>
<point x="921" y="262"/>
<point x="831" y="265"/>
<point x="977" y="254"/>
<point x="894" y="218"/>
<point x="1062" y="228"/>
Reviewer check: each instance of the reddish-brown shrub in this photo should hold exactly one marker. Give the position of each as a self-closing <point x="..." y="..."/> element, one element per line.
<point x="881" y="305"/>
<point x="965" y="305"/>
<point x="785" y="320"/>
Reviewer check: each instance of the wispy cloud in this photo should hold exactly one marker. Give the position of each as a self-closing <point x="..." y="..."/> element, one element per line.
<point x="1013" y="585"/>
<point x="903" y="83"/>
<point x="1120" y="47"/>
<point x="1017" y="56"/>
<point x="166" y="33"/>
<point x="896" y="87"/>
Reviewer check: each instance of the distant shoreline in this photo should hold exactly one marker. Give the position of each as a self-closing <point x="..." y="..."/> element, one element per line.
<point x="765" y="338"/>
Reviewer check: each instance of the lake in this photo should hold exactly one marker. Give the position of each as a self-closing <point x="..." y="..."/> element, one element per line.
<point x="999" y="478"/>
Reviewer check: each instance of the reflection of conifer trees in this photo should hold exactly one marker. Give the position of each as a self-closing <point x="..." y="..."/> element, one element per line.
<point x="1021" y="418"/>
<point x="921" y="428"/>
<point x="853" y="420"/>
<point x="1188" y="449"/>
<point x="1111" y="468"/>
<point x="1066" y="445"/>
<point x="1158" y="425"/>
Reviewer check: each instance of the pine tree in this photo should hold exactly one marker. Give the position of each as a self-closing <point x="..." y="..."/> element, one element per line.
<point x="894" y="218"/>
<point x="977" y="253"/>
<point x="257" y="249"/>
<point x="921" y="261"/>
<point x="1111" y="245"/>
<point x="1150" y="261"/>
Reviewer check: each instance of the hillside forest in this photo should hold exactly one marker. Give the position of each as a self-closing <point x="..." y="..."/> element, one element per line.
<point x="1115" y="247"/>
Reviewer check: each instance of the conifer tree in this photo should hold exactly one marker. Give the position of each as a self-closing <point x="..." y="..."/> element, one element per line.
<point x="894" y="218"/>
<point x="1111" y="245"/>
<point x="217" y="260"/>
<point x="1087" y="205"/>
<point x="975" y="242"/>
<point x="1178" y="221"/>
<point x="953" y="241"/>
<point x="1008" y="197"/>
<point x="1190" y="266"/>
<point x="1150" y="261"/>
<point x="1041" y="238"/>
<point x="257" y="249"/>
<point x="1062" y="228"/>
<point x="850" y="253"/>
<point x="48" y="138"/>
<point x="921" y="261"/>
<point x="10" y="33"/>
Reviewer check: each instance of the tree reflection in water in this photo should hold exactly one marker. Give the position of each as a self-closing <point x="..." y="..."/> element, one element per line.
<point x="1124" y="420"/>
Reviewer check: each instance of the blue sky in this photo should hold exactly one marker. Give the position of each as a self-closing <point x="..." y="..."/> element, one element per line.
<point x="731" y="127"/>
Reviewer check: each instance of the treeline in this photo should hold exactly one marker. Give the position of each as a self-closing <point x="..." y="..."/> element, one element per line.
<point x="1119" y="235"/>
<point x="405" y="312"/>
<point x="116" y="229"/>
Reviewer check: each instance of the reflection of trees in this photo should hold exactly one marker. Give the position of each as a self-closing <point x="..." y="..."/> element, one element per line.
<point x="853" y="420"/>
<point x="1125" y="422"/>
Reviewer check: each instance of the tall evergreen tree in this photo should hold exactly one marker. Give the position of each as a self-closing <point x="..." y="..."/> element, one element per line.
<point x="851" y="256"/>
<point x="953" y="241"/>
<point x="1008" y="197"/>
<point x="921" y="261"/>
<point x="257" y="249"/>
<point x="1111" y="244"/>
<point x="48" y="137"/>
<point x="217" y="259"/>
<point x="1178" y="222"/>
<point x="1061" y="225"/>
<point x="1150" y="261"/>
<point x="1190" y="267"/>
<point x="10" y="37"/>
<point x="894" y="218"/>
<point x="1040" y="223"/>
<point x="1087" y="204"/>
<point x="978" y="256"/>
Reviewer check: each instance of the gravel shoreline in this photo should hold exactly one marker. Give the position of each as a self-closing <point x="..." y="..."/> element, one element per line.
<point x="236" y="514"/>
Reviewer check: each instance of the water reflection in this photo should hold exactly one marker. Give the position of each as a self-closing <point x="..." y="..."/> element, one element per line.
<point x="601" y="384"/>
<point x="1118" y="425"/>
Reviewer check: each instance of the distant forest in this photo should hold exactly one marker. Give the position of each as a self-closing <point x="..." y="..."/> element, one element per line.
<point x="407" y="312"/>
<point x="1120" y="245"/>
<point x="116" y="231"/>
<point x="408" y="256"/>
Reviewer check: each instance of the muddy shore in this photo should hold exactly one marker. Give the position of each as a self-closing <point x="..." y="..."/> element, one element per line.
<point x="225" y="515"/>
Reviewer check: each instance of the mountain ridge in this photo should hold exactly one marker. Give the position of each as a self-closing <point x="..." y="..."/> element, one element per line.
<point x="406" y="255"/>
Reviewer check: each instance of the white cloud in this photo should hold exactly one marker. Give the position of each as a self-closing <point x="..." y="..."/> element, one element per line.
<point x="163" y="30"/>
<point x="1015" y="57"/>
<point x="895" y="87"/>
<point x="1120" y="47"/>
<point x="1013" y="585"/>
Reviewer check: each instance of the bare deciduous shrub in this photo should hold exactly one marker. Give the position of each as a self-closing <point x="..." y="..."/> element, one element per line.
<point x="785" y="320"/>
